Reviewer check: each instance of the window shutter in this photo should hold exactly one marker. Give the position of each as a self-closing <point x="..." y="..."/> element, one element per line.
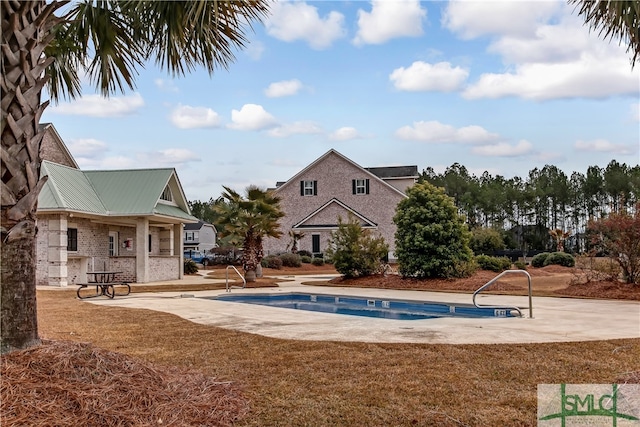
<point x="353" y="186"/>
<point x="302" y="188"/>
<point x="315" y="188"/>
<point x="367" y="186"/>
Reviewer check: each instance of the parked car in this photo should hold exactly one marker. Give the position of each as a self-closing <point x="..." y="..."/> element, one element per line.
<point x="199" y="257"/>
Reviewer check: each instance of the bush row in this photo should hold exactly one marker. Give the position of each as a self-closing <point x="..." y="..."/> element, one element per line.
<point x="493" y="263"/>
<point x="289" y="260"/>
<point x="554" y="258"/>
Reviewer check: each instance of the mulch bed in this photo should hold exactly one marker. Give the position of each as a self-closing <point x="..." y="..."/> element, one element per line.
<point x="603" y="290"/>
<point x="77" y="384"/>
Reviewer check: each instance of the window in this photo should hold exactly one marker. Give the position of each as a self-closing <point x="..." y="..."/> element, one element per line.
<point x="113" y="243"/>
<point x="189" y="236"/>
<point x="308" y="188"/>
<point x="166" y="194"/>
<point x="149" y="243"/>
<point x="72" y="239"/>
<point x="315" y="243"/>
<point x="360" y="186"/>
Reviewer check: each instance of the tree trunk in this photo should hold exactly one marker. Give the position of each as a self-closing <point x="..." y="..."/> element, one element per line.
<point x="19" y="318"/>
<point x="25" y="33"/>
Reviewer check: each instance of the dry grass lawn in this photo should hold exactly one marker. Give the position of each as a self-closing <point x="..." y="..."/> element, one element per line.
<point x="310" y="383"/>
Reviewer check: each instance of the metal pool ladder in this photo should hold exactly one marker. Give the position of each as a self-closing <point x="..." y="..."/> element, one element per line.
<point x="494" y="280"/>
<point x="244" y="282"/>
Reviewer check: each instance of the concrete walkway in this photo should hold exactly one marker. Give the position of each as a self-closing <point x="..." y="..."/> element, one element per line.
<point x="554" y="319"/>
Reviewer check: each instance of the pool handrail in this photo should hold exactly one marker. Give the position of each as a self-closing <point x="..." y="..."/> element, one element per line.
<point x="494" y="280"/>
<point x="244" y="282"/>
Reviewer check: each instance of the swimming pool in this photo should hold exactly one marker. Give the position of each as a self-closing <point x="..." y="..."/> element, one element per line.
<point x="364" y="306"/>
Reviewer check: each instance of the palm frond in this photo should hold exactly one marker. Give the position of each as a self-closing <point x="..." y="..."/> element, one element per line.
<point x="619" y="19"/>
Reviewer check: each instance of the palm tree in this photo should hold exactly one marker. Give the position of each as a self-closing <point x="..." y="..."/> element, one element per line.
<point x="295" y="236"/>
<point x="559" y="236"/>
<point x="250" y="218"/>
<point x="618" y="19"/>
<point x="109" y="41"/>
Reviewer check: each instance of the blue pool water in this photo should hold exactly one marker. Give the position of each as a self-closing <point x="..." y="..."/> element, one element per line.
<point x="370" y="307"/>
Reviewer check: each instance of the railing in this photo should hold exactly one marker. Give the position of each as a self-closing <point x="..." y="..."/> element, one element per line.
<point x="244" y="282"/>
<point x="494" y="280"/>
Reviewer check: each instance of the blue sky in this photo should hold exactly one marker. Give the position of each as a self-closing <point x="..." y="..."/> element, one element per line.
<point x="503" y="87"/>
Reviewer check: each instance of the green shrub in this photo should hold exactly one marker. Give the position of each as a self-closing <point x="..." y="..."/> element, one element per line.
<point x="493" y="263"/>
<point x="486" y="240"/>
<point x="271" y="261"/>
<point x="291" y="260"/>
<point x="317" y="261"/>
<point x="538" y="260"/>
<point x="432" y="239"/>
<point x="305" y="259"/>
<point x="560" y="258"/>
<point x="304" y="253"/>
<point x="355" y="251"/>
<point x="190" y="266"/>
<point x="520" y="265"/>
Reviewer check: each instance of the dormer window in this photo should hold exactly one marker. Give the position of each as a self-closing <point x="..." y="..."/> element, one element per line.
<point x="166" y="195"/>
<point x="308" y="188"/>
<point x="360" y="186"/>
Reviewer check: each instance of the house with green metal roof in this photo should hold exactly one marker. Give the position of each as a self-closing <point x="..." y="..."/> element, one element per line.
<point x="130" y="221"/>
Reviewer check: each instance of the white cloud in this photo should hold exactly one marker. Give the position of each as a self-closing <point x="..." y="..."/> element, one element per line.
<point x="344" y="134"/>
<point x="421" y="76"/>
<point x="604" y="146"/>
<point x="99" y="106"/>
<point x="251" y="117"/>
<point x="388" y="20"/>
<point x="504" y="149"/>
<point x="172" y="157"/>
<point x="187" y="117"/>
<point x="87" y="147"/>
<point x="283" y="88"/>
<point x="470" y="19"/>
<point x="558" y="61"/>
<point x="165" y="85"/>
<point x="296" y="128"/>
<point x="583" y="79"/>
<point x="114" y="162"/>
<point x="437" y="132"/>
<point x="299" y="21"/>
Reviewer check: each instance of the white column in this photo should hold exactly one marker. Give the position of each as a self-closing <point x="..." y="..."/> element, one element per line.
<point x="178" y="247"/>
<point x="57" y="251"/>
<point x="142" y="250"/>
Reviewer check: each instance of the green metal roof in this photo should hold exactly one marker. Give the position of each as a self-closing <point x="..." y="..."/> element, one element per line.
<point x="130" y="191"/>
<point x="68" y="188"/>
<point x="111" y="192"/>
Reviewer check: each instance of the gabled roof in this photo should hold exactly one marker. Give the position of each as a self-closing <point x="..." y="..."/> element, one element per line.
<point x="113" y="192"/>
<point x="390" y="172"/>
<point x="59" y="143"/>
<point x="366" y="223"/>
<point x="194" y="226"/>
<point x="348" y="160"/>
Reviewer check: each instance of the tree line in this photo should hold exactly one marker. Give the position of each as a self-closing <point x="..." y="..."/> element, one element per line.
<point x="525" y="209"/>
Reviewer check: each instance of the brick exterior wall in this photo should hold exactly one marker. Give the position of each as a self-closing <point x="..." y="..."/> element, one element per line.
<point x="52" y="149"/>
<point x="334" y="175"/>
<point x="93" y="252"/>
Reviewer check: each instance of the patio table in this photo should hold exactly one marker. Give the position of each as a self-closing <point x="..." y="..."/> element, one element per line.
<point x="105" y="282"/>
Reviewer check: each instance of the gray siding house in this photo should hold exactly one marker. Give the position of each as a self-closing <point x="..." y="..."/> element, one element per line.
<point x="199" y="236"/>
<point x="334" y="186"/>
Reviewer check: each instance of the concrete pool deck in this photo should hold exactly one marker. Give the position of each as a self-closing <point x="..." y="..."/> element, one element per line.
<point x="554" y="319"/>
